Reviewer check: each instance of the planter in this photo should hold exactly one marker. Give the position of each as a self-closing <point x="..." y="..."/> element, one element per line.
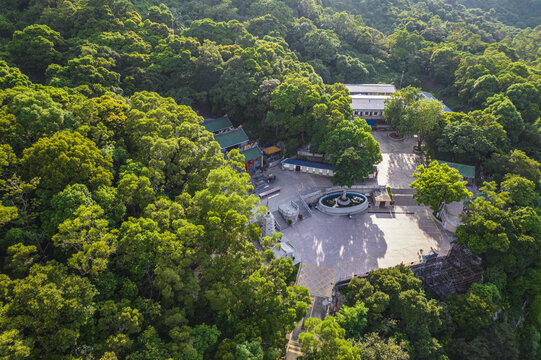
<point x="395" y="137"/>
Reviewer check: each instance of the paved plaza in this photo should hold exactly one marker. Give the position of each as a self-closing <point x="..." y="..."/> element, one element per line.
<point x="368" y="241"/>
<point x="333" y="248"/>
<point x="399" y="160"/>
<point x="372" y="240"/>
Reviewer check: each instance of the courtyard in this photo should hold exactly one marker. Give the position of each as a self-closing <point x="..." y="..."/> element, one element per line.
<point x="368" y="241"/>
<point x="333" y="248"/>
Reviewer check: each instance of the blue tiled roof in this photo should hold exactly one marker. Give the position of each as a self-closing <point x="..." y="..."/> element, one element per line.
<point x="430" y="96"/>
<point x="308" y="163"/>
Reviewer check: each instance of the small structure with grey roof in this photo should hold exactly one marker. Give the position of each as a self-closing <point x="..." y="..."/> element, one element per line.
<point x="428" y="95"/>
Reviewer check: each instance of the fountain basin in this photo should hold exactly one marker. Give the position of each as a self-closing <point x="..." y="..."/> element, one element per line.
<point x="332" y="205"/>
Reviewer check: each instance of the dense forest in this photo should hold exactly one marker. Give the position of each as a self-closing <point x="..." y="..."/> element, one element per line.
<point x="126" y="234"/>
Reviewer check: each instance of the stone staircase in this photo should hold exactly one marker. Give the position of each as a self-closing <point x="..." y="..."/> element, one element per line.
<point x="281" y="224"/>
<point x="403" y="197"/>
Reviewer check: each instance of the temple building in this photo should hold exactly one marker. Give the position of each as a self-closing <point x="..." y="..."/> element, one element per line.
<point x="231" y="138"/>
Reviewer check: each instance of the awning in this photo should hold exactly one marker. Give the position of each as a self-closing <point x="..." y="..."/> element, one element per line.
<point x="271" y="150"/>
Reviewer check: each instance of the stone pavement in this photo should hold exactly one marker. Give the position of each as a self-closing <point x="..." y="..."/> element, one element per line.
<point x="368" y="241"/>
<point x="319" y="280"/>
<point x="399" y="160"/>
<point x="333" y="248"/>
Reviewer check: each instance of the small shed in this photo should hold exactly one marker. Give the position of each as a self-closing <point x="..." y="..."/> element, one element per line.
<point x="284" y="249"/>
<point x="271" y="150"/>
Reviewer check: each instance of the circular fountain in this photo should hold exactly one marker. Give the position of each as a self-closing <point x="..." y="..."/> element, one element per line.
<point x="343" y="203"/>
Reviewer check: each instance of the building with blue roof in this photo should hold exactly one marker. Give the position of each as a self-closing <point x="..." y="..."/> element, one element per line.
<point x="428" y="95"/>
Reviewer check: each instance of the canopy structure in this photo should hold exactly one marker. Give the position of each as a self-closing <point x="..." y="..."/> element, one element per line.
<point x="271" y="150"/>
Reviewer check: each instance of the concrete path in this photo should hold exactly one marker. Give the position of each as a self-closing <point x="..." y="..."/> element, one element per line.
<point x="399" y="160"/>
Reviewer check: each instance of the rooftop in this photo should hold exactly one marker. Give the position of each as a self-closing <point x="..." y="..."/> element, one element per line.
<point x="308" y="163"/>
<point x="466" y="171"/>
<point x="368" y="102"/>
<point x="252" y="153"/>
<point x="214" y="125"/>
<point x="271" y="150"/>
<point x="428" y="95"/>
<point x="370" y="88"/>
<point x="231" y="138"/>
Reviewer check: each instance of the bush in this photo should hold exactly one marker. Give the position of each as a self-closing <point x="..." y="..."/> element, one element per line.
<point x="390" y="194"/>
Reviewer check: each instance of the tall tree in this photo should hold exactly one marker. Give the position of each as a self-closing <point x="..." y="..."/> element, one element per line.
<point x="353" y="151"/>
<point x="66" y="158"/>
<point x="35" y="47"/>
<point x="437" y="184"/>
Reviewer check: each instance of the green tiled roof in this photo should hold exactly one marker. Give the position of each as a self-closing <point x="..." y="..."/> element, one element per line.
<point x="252" y="154"/>
<point x="214" y="125"/>
<point x="231" y="138"/>
<point x="466" y="171"/>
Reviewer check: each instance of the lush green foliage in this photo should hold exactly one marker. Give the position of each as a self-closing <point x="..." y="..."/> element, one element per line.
<point x="353" y="151"/>
<point x="124" y="233"/>
<point x="438" y="184"/>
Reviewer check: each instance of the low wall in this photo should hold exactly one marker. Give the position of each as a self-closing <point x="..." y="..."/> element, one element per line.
<point x="350" y="210"/>
<point x="313" y="197"/>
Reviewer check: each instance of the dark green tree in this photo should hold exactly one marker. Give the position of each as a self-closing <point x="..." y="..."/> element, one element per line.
<point x="353" y="151"/>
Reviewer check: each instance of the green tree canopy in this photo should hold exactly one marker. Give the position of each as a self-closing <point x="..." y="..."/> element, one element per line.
<point x="437" y="184"/>
<point x="66" y="158"/>
<point x="35" y="48"/>
<point x="353" y="151"/>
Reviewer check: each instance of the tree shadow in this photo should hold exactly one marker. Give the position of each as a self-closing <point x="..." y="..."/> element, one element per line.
<point x="351" y="246"/>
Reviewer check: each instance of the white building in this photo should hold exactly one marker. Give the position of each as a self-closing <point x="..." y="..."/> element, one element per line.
<point x="368" y="107"/>
<point x="368" y="101"/>
<point x="308" y="167"/>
